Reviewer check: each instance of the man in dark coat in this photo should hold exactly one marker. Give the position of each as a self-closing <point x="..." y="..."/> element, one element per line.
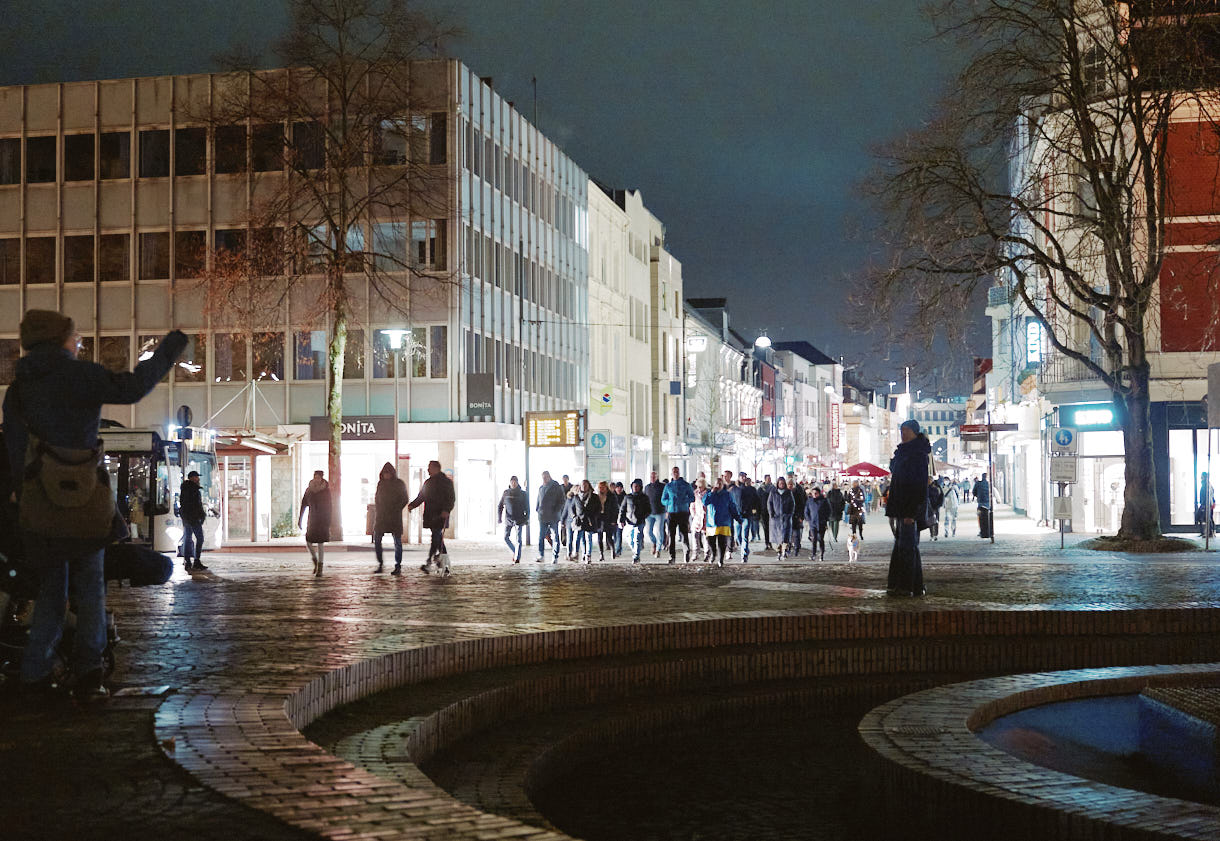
<point x="438" y="499"/>
<point x="633" y="515"/>
<point x="745" y="497"/>
<point x="514" y="512"/>
<point x="764" y="494"/>
<point x="551" y="498"/>
<point x="190" y="511"/>
<point x="656" y="520"/>
<point x="982" y="497"/>
<point x="817" y="519"/>
<point x="907" y="505"/>
<point x="837" y="505"/>
<point x="59" y="398"/>
<point x="316" y="500"/>
<point x="799" y="498"/>
<point x="388" y="501"/>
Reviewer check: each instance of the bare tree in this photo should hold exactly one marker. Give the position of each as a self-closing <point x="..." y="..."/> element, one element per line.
<point x="1045" y="168"/>
<point x="344" y="151"/>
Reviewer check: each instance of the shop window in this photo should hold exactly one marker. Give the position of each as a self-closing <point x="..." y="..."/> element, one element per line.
<point x="231" y="149"/>
<point x="267" y="148"/>
<point x="229" y="358"/>
<point x="192" y="365"/>
<point x="308" y="146"/>
<point x="113" y="353"/>
<point x="40" y="260"/>
<point x="190" y="253"/>
<point x="154" y="256"/>
<point x="267" y="354"/>
<point x="114" y="258"/>
<point x="10" y="352"/>
<point x="353" y="355"/>
<point x="309" y="358"/>
<point x="10" y="261"/>
<point x="145" y="346"/>
<point x="438" y="352"/>
<point x="190" y="151"/>
<point x="154" y="153"/>
<point x="39" y="160"/>
<point x="10" y="160"/>
<point x="78" y="157"/>
<point x="78" y="259"/>
<point x="114" y="149"/>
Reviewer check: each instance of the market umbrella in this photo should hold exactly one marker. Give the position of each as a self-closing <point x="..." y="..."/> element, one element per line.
<point x="865" y="468"/>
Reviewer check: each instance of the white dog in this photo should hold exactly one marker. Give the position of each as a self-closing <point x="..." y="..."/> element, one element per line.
<point x="853" y="549"/>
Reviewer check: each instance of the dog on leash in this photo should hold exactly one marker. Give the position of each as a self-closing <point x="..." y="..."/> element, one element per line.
<point x="853" y="549"/>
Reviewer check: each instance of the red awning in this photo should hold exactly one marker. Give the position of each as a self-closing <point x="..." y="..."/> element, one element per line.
<point x="865" y="468"/>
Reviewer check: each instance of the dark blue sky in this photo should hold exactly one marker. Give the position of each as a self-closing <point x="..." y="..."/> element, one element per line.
<point x="747" y="126"/>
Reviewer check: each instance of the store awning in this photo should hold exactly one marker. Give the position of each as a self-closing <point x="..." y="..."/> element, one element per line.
<point x="865" y="468"/>
<point x="249" y="443"/>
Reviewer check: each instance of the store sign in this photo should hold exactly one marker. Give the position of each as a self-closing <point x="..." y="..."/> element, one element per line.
<point x="696" y="344"/>
<point x="480" y="395"/>
<point x="1033" y="342"/>
<point x="553" y="429"/>
<point x="355" y="428"/>
<point x="1089" y="416"/>
<point x="835" y="414"/>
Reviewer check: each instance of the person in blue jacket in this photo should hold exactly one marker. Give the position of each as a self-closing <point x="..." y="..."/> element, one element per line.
<point x="722" y="513"/>
<point x="676" y="500"/>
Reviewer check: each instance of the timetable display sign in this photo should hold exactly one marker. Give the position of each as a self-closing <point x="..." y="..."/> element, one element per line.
<point x="554" y="429"/>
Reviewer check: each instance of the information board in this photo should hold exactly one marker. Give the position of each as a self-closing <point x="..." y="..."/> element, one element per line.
<point x="1063" y="508"/>
<point x="553" y="429"/>
<point x="1063" y="469"/>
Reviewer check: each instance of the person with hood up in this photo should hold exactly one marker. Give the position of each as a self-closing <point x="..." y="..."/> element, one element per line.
<point x="607" y="498"/>
<point x="677" y="498"/>
<point x="721" y="513"/>
<point x="656" y="520"/>
<point x="817" y="517"/>
<point x="838" y="503"/>
<point x="910" y="471"/>
<point x="438" y="498"/>
<point x="514" y="512"/>
<point x="316" y="500"/>
<point x="589" y="518"/>
<point x="780" y="509"/>
<point x="982" y="497"/>
<point x="549" y="509"/>
<point x="388" y="501"/>
<point x="634" y="515"/>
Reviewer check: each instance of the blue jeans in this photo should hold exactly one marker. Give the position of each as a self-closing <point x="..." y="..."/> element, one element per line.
<point x="543" y="530"/>
<point x="192" y="541"/>
<point x="657" y="520"/>
<point x="63" y="566"/>
<point x="508" y="530"/>
<point x="618" y="541"/>
<point x="753" y="527"/>
<point x="742" y="530"/>
<point x="797" y="529"/>
<point x="397" y="546"/>
<point x="636" y="539"/>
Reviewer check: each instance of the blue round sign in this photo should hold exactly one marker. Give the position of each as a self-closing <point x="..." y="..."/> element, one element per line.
<point x="1063" y="437"/>
<point x="598" y="441"/>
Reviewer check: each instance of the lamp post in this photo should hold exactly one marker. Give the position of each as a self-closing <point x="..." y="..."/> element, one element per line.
<point x="395" y="338"/>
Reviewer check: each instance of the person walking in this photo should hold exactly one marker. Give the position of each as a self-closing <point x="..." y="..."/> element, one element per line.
<point x="908" y="504"/>
<point x="982" y="498"/>
<point x="620" y="495"/>
<point x="764" y="494"/>
<point x="817" y="519"/>
<point x="514" y="512"/>
<point x="566" y="487"/>
<point x="656" y="520"/>
<point x="838" y="503"/>
<point x="388" y="501"/>
<point x="437" y="497"/>
<point x="676" y="499"/>
<point x="549" y="509"/>
<point x="608" y="500"/>
<point x="190" y="511"/>
<point x="745" y="497"/>
<point x="569" y="521"/>
<point x="589" y="519"/>
<point x="949" y="507"/>
<point x="317" y="502"/>
<point x="936" y="498"/>
<point x="855" y="508"/>
<point x="721" y="513"/>
<point x="799" y="498"/>
<point x="633" y="516"/>
<point x="52" y="411"/>
<point x="698" y="521"/>
<point x="780" y="509"/>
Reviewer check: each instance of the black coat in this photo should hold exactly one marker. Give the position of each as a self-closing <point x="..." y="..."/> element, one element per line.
<point x="908" y="495"/>
<point x="799" y="498"/>
<point x="318" y="503"/>
<point x="588" y="510"/>
<point x="389" y="499"/>
<point x="610" y="509"/>
<point x="817" y="513"/>
<point x="550" y="502"/>
<point x="190" y="503"/>
<point x="438" y="499"/>
<point x="654" y="491"/>
<point x="636" y="509"/>
<point x="515" y="505"/>
<point x="837" y="503"/>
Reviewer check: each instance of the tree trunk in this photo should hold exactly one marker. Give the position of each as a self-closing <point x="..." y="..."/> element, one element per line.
<point x="1141" y="512"/>
<point x="334" y="416"/>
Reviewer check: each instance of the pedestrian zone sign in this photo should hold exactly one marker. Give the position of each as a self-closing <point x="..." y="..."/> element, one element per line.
<point x="1063" y="508"/>
<point x="598" y="442"/>
<point x="1063" y="440"/>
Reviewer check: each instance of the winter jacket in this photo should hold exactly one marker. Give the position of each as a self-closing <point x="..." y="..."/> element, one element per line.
<point x="856" y="505"/>
<point x="610" y="508"/>
<point x="837" y="502"/>
<point x="721" y="510"/>
<point x="62" y="397"/>
<point x="799" y="498"/>
<point x="550" y="502"/>
<point x="982" y="493"/>
<point x="677" y="496"/>
<point x="698" y="514"/>
<point x="817" y="513"/>
<point x="908" y="495"/>
<point x="571" y="510"/>
<point x="655" y="490"/>
<point x="636" y="509"/>
<point x="936" y="497"/>
<point x="951" y="499"/>
<point x="317" y="502"/>
<point x="780" y="508"/>
<point x="438" y="499"/>
<point x="515" y="505"/>
<point x="190" y="503"/>
<point x="588" y="510"/>
<point x="388" y="501"/>
<point x="745" y="497"/>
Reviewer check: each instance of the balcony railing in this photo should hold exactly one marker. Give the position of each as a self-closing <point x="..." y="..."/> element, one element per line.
<point x="999" y="296"/>
<point x="1063" y="369"/>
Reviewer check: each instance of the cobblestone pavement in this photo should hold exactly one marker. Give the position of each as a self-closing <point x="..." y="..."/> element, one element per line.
<point x="258" y="622"/>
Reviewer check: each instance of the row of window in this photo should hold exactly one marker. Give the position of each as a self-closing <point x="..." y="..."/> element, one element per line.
<point x="496" y="166"/>
<point x="541" y="374"/>
<point x="261" y="148"/>
<point x="240" y="357"/>
<point x="111" y="253"/>
<point x="503" y="267"/>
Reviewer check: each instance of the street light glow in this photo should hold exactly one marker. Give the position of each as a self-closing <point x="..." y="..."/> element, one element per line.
<point x="763" y="341"/>
<point x="395" y="336"/>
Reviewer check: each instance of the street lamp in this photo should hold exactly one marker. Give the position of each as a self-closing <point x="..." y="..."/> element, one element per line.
<point x="763" y="341"/>
<point x="395" y="338"/>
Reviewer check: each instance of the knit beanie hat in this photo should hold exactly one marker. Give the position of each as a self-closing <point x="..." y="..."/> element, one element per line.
<point x="39" y="326"/>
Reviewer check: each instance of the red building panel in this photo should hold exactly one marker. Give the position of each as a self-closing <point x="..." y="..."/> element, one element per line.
<point x="1190" y="302"/>
<point x="1193" y="164"/>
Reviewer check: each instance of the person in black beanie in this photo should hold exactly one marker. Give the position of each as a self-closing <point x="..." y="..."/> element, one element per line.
<point x="907" y="505"/>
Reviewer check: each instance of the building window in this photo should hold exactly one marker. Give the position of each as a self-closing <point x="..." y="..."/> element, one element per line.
<point x="267" y="353"/>
<point x="229" y="358"/>
<point x="231" y="241"/>
<point x="145" y="346"/>
<point x="418" y="352"/>
<point x="438" y="352"/>
<point x="190" y="151"/>
<point x="78" y="157"/>
<point x="10" y="160"/>
<point x="40" y="260"/>
<point x="438" y="133"/>
<point x="190" y="253"/>
<point x="113" y="353"/>
<point x="353" y="355"/>
<point x="308" y="146"/>
<point x="78" y="259"/>
<point x="192" y="365"/>
<point x="113" y="258"/>
<point x="86" y="349"/>
<point x="383" y="363"/>
<point x="428" y="243"/>
<point x="114" y="148"/>
<point x="390" y="144"/>
<point x="10" y="352"/>
<point x="309" y="358"/>
<point x="154" y="256"/>
<point x="389" y="246"/>
<point x="154" y="153"/>
<point x="40" y="160"/>
<point x="230" y="149"/>
<point x="10" y="261"/>
<point x="267" y="148"/>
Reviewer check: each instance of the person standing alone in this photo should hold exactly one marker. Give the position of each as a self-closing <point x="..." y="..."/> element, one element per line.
<point x="388" y="501"/>
<point x="190" y="511"/>
<point x="907" y="504"/>
<point x="317" y="501"/>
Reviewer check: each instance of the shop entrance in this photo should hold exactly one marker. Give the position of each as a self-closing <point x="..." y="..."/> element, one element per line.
<point x="1188" y="465"/>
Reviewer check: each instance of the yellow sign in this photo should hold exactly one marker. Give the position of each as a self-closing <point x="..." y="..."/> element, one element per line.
<point x="553" y="429"/>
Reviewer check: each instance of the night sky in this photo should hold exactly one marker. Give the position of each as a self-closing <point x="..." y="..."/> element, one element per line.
<point x="747" y="126"/>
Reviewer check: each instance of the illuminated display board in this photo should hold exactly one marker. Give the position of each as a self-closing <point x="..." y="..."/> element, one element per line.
<point x="553" y="429"/>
